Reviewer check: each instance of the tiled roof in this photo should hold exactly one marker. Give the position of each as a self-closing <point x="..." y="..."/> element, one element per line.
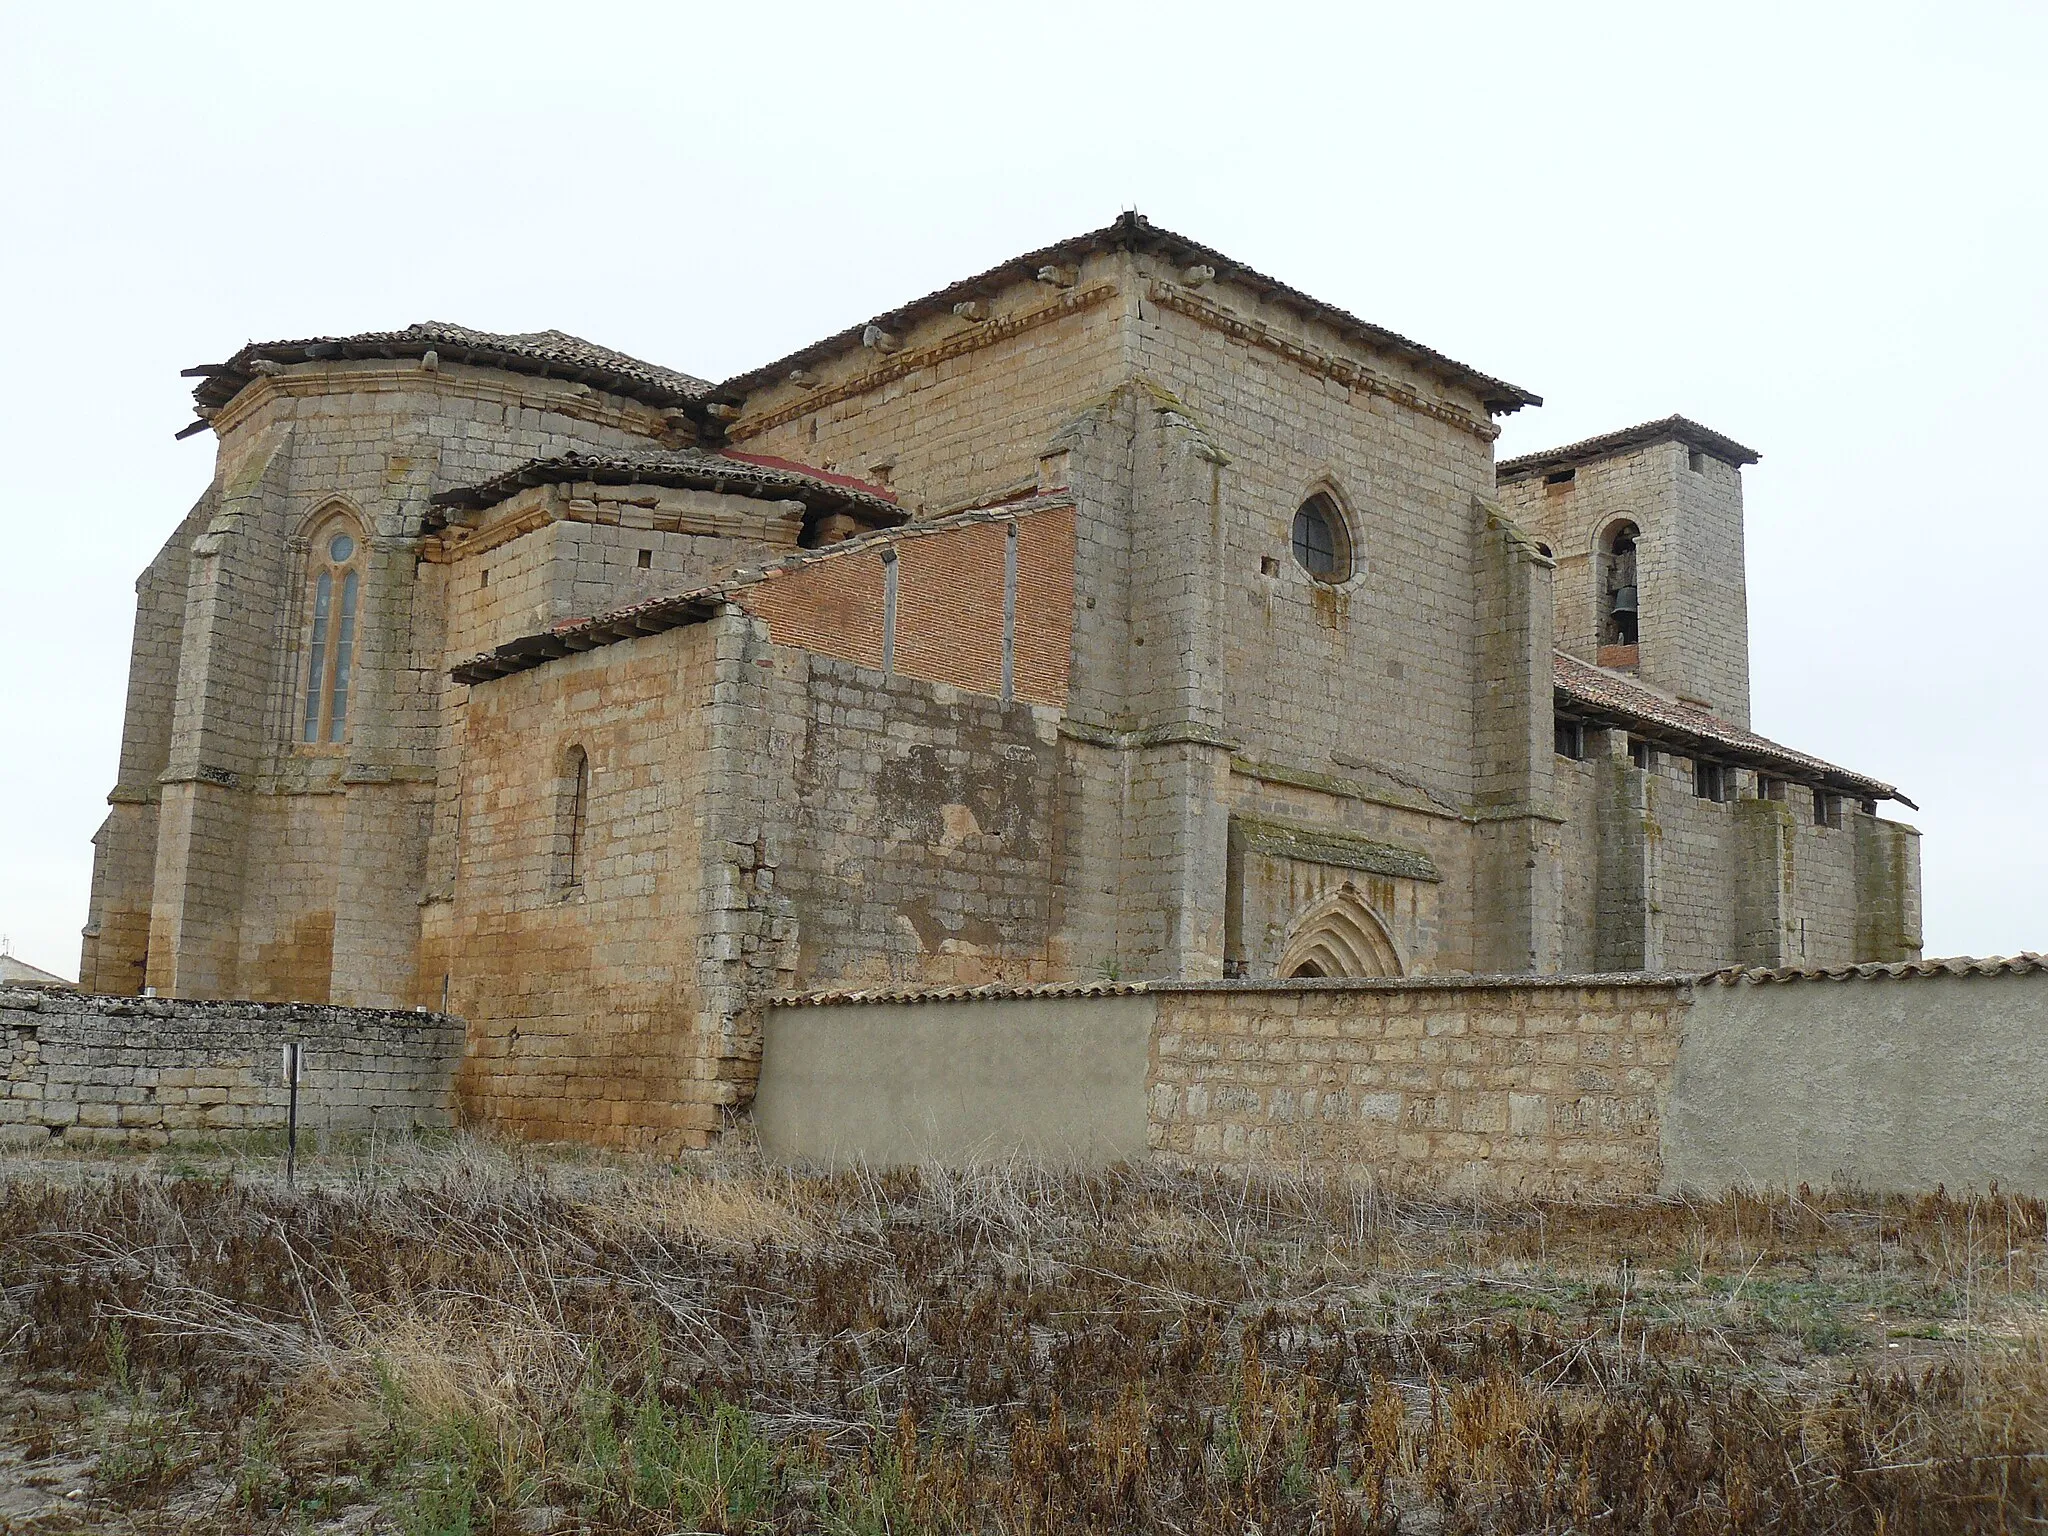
<point x="653" y="615"/>
<point x="690" y="469"/>
<point x="1672" y="429"/>
<point x="550" y="354"/>
<point x="1001" y="991"/>
<point x="1586" y="690"/>
<point x="1132" y="231"/>
<point x="994" y="991"/>
<point x="2025" y="964"/>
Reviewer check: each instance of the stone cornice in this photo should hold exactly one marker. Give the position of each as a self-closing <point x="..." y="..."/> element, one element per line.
<point x="561" y="505"/>
<point x="1313" y="359"/>
<point x="1153" y="736"/>
<point x="1303" y="843"/>
<point x="305" y="382"/>
<point x="1344" y="788"/>
<point x="899" y="364"/>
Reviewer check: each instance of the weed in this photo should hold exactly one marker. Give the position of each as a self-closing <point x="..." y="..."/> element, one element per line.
<point x="474" y="1333"/>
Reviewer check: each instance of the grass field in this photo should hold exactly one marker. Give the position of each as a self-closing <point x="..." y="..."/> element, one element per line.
<point x="472" y="1337"/>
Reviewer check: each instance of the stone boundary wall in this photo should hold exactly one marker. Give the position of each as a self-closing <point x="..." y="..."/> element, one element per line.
<point x="1881" y="1077"/>
<point x="1056" y="1079"/>
<point x="147" y="1071"/>
<point x="1520" y="1088"/>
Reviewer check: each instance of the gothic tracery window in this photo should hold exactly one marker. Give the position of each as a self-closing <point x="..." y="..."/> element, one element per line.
<point x="334" y="589"/>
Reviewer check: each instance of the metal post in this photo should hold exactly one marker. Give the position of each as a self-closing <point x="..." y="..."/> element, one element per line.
<point x="291" y="1124"/>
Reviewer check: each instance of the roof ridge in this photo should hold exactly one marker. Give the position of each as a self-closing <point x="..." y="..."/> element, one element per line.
<point x="1664" y="429"/>
<point x="1129" y="231"/>
<point x="687" y="466"/>
<point x="543" y="353"/>
<point x="2025" y="963"/>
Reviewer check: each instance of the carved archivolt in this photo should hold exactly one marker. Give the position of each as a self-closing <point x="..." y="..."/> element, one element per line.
<point x="1340" y="936"/>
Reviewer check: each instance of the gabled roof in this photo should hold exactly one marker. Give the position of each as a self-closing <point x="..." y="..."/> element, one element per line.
<point x="548" y="354"/>
<point x="1672" y="429"/>
<point x="19" y="973"/>
<point x="693" y="469"/>
<point x="651" y="616"/>
<point x="1134" y="232"/>
<point x="1587" y="691"/>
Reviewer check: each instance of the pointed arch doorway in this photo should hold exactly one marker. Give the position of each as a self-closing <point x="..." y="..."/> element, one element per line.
<point x="1340" y="935"/>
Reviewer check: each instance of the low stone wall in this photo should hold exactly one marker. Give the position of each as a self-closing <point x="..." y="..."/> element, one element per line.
<point x="1527" y="1087"/>
<point x="1894" y="1078"/>
<point x="145" y="1071"/>
<point x="1524" y="1087"/>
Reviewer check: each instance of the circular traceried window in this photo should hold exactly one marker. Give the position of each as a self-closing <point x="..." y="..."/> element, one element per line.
<point x="340" y="547"/>
<point x="1322" y="546"/>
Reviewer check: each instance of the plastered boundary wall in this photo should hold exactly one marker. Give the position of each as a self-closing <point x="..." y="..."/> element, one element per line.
<point x="1887" y="1083"/>
<point x="147" y="1071"/>
<point x="1570" y="1087"/>
<point x="1526" y="1086"/>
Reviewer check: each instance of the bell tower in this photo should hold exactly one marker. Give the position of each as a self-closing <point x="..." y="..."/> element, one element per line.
<point x="1646" y="528"/>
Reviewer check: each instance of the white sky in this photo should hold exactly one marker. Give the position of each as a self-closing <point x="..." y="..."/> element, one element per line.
<point x="1817" y="228"/>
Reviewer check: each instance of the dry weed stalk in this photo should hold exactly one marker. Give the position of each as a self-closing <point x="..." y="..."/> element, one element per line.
<point x="464" y="1332"/>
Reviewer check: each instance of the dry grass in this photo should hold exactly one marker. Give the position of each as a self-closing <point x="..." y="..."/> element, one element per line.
<point x="486" y="1338"/>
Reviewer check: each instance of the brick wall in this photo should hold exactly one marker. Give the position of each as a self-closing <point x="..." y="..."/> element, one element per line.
<point x="961" y="593"/>
<point x="146" y="1071"/>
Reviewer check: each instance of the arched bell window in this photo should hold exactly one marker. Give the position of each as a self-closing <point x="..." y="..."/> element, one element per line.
<point x="334" y="595"/>
<point x="1620" y="598"/>
<point x="1322" y="542"/>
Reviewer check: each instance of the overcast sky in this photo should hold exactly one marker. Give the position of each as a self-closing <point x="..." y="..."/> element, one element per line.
<point x="1817" y="228"/>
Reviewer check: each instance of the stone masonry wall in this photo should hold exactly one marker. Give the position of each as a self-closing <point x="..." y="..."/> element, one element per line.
<point x="146" y="1071"/>
<point x="959" y="407"/>
<point x="1378" y="669"/>
<point x="915" y="826"/>
<point x="1689" y="565"/>
<point x="579" y="978"/>
<point x="330" y="888"/>
<point x="1511" y="1087"/>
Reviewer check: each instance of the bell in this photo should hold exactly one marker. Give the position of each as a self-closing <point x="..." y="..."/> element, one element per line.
<point x="1624" y="600"/>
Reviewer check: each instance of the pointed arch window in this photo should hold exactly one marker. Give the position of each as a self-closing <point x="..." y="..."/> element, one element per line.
<point x="1321" y="539"/>
<point x="334" y="593"/>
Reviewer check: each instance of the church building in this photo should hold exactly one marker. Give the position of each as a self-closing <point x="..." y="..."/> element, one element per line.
<point x="1119" y="613"/>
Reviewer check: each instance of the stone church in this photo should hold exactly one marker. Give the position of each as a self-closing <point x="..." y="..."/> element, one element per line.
<point x="1117" y="613"/>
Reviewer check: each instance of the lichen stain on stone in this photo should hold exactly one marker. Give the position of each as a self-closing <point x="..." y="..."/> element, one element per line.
<point x="1332" y="605"/>
<point x="971" y="935"/>
<point x="935" y="798"/>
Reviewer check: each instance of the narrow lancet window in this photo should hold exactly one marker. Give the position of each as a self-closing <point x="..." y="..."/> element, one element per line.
<point x="335" y="572"/>
<point x="572" y="817"/>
